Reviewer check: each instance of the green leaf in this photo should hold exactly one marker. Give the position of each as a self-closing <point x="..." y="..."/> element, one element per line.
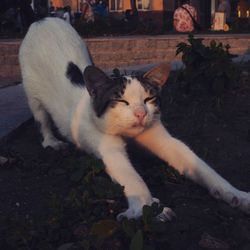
<point x="77" y="175"/>
<point x="137" y="241"/>
<point x="116" y="72"/>
<point x="97" y="168"/>
<point x="104" y="228"/>
<point x="181" y="47"/>
<point x="147" y="214"/>
<point x="156" y="209"/>
<point x="129" y="227"/>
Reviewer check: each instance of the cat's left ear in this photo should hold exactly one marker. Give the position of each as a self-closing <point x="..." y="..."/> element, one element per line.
<point x="95" y="79"/>
<point x="158" y="75"/>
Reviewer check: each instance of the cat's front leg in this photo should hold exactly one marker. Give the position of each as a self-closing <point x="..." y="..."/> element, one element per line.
<point x="178" y="155"/>
<point x="113" y="153"/>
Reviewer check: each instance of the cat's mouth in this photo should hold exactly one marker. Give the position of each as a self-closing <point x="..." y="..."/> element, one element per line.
<point x="138" y="125"/>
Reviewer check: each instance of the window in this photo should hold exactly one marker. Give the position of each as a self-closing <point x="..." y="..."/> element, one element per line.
<point x="116" y="5"/>
<point x="143" y="4"/>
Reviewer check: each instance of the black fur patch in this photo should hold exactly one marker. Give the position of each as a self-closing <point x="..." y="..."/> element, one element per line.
<point x="102" y="89"/>
<point x="151" y="88"/>
<point x="154" y="90"/>
<point x="107" y="93"/>
<point x="75" y="75"/>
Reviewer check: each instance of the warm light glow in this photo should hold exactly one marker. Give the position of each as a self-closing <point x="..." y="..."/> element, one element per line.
<point x="239" y="13"/>
<point x="247" y="13"/>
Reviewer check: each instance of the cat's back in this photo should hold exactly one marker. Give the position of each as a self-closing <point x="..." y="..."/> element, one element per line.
<point x="46" y="51"/>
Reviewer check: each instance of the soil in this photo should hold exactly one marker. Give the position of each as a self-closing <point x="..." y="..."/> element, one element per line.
<point x="216" y="128"/>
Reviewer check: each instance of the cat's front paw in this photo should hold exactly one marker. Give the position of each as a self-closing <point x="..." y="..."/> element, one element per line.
<point x="242" y="201"/>
<point x="130" y="213"/>
<point x="167" y="214"/>
<point x="235" y="198"/>
<point x="55" y="144"/>
<point x="135" y="212"/>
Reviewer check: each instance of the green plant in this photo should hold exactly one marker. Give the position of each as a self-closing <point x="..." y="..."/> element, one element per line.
<point x="210" y="66"/>
<point x="148" y="231"/>
<point x="142" y="234"/>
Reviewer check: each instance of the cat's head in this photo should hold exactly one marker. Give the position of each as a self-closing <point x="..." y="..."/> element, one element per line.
<point x="125" y="105"/>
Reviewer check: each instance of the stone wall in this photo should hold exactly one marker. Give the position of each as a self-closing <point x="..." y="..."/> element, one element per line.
<point x="111" y="52"/>
<point x="9" y="66"/>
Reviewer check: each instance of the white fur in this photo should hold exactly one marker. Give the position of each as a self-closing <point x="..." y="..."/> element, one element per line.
<point x="44" y="55"/>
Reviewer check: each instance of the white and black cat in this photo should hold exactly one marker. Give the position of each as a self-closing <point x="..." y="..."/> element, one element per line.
<point x="96" y="112"/>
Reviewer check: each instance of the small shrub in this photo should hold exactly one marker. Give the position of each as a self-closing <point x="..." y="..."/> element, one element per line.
<point x="207" y="66"/>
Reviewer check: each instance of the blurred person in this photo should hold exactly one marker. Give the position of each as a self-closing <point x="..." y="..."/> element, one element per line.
<point x="87" y="12"/>
<point x="41" y="9"/>
<point x="131" y="20"/>
<point x="101" y="9"/>
<point x="225" y="7"/>
<point x="59" y="12"/>
<point x="67" y="14"/>
<point x="92" y="2"/>
<point x="184" y="17"/>
<point x="52" y="9"/>
<point x="27" y="14"/>
<point x="10" y="20"/>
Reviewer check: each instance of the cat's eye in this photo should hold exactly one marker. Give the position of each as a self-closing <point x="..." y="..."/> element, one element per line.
<point x="120" y="100"/>
<point x="151" y="98"/>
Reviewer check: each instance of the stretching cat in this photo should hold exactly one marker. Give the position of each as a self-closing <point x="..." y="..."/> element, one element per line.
<point x="96" y="112"/>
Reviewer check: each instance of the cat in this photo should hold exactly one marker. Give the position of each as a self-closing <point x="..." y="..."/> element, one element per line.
<point x="97" y="112"/>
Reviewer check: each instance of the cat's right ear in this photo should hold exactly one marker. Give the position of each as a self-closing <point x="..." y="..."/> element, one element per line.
<point x="94" y="79"/>
<point x="158" y="75"/>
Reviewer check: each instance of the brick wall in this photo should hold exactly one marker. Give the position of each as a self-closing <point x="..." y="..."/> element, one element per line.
<point x="108" y="53"/>
<point x="9" y="66"/>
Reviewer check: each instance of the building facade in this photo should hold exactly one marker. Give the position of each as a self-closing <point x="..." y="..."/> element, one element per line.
<point x="160" y="11"/>
<point x="74" y="4"/>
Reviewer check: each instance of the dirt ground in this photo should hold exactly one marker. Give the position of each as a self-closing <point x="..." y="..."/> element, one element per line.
<point x="217" y="129"/>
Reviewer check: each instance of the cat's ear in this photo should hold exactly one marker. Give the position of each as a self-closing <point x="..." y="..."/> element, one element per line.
<point x="100" y="87"/>
<point x="158" y="75"/>
<point x="94" y="79"/>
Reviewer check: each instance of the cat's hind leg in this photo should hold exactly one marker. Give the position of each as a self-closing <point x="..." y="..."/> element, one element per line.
<point x="42" y="117"/>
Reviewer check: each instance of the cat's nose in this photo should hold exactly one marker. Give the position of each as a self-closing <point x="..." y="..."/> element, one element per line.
<point x="140" y="113"/>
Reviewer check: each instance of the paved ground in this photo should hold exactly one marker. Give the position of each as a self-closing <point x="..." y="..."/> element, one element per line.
<point x="14" y="109"/>
<point x="8" y="81"/>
